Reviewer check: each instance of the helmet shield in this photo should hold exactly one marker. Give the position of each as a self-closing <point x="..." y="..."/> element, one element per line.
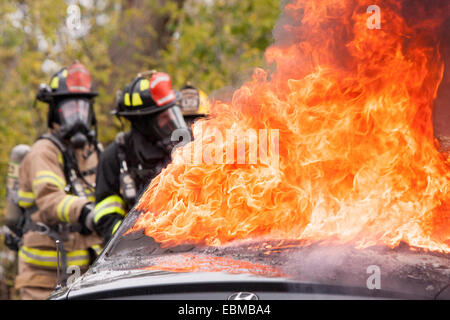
<point x="168" y="121"/>
<point x="160" y="126"/>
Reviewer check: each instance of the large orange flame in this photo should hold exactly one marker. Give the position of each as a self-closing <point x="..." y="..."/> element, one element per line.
<point x="357" y="159"/>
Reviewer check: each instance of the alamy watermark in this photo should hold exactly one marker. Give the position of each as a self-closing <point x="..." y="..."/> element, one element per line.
<point x="73" y="20"/>
<point x="75" y="273"/>
<point x="242" y="147"/>
<point x="374" y="21"/>
<point x="374" y="280"/>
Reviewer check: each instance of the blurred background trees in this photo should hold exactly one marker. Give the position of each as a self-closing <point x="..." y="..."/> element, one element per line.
<point x="211" y="43"/>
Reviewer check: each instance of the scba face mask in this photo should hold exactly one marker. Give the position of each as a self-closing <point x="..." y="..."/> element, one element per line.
<point x="161" y="126"/>
<point x="76" y="118"/>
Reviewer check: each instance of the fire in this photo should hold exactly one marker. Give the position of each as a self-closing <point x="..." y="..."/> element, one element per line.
<point x="357" y="161"/>
<point x="203" y="263"/>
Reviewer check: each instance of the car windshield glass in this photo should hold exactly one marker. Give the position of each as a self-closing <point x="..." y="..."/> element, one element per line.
<point x="330" y="167"/>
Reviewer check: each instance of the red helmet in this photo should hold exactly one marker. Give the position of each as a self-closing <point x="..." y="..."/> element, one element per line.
<point x="69" y="96"/>
<point x="71" y="81"/>
<point x="146" y="95"/>
<point x="151" y="105"/>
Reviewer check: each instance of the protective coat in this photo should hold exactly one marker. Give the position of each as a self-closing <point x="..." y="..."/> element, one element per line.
<point x="42" y="188"/>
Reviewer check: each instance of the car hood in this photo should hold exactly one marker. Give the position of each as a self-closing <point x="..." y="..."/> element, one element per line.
<point x="197" y="275"/>
<point x="164" y="285"/>
<point x="134" y="266"/>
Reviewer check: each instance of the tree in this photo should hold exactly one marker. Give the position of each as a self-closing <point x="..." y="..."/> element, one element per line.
<point x="219" y="44"/>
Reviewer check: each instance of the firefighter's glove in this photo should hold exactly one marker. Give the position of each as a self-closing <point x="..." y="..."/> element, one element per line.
<point x="12" y="241"/>
<point x="108" y="225"/>
<point x="87" y="219"/>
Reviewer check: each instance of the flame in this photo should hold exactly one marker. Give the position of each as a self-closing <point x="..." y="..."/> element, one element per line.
<point x="357" y="161"/>
<point x="203" y="263"/>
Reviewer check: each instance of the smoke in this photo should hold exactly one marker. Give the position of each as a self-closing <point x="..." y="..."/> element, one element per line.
<point x="282" y="36"/>
<point x="399" y="270"/>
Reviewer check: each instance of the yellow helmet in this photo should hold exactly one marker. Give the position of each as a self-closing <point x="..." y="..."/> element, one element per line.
<point x="194" y="102"/>
<point x="205" y="105"/>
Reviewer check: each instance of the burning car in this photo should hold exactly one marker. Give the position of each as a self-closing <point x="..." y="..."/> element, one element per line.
<point x="134" y="266"/>
<point x="349" y="194"/>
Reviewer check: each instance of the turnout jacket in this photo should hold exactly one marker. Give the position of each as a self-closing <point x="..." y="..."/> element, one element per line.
<point x="142" y="168"/>
<point x="42" y="186"/>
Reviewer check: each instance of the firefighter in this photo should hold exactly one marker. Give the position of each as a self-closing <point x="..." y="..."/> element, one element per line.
<point x="194" y="104"/>
<point x="56" y="187"/>
<point x="128" y="164"/>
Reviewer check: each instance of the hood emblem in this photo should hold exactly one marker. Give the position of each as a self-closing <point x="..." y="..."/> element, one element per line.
<point x="243" y="296"/>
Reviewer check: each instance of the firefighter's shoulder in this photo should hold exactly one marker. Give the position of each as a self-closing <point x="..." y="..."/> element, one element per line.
<point x="43" y="148"/>
<point x="110" y="152"/>
<point x="109" y="157"/>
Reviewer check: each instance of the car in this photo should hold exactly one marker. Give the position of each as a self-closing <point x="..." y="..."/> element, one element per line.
<point x="134" y="266"/>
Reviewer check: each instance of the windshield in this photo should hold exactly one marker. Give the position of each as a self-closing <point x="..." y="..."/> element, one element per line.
<point x="325" y="169"/>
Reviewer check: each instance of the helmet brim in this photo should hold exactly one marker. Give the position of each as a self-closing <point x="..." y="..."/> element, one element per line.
<point x="149" y="110"/>
<point x="143" y="112"/>
<point x="73" y="94"/>
<point x="195" y="115"/>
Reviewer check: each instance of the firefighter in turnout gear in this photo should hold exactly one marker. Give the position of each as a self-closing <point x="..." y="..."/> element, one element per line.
<point x="128" y="164"/>
<point x="56" y="187"/>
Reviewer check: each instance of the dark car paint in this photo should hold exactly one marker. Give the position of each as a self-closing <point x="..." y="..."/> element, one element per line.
<point x="121" y="272"/>
<point x="141" y="284"/>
